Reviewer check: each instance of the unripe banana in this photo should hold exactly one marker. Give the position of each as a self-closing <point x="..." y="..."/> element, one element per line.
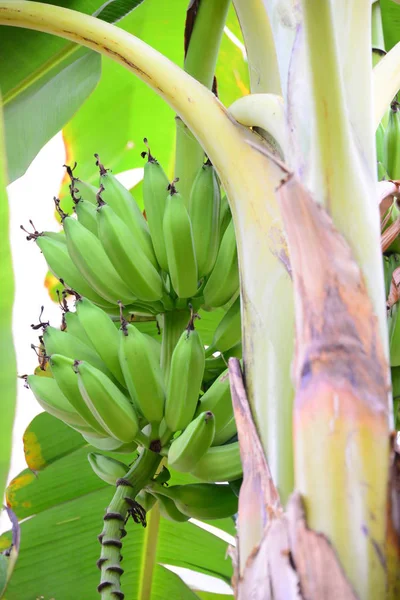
<point x="225" y="433"/>
<point x="108" y="404"/>
<point x="225" y="216"/>
<point x="392" y="143"/>
<point x="127" y="256"/>
<point x="204" y="209"/>
<point x="223" y="282"/>
<point x="67" y="381"/>
<point x="142" y="372"/>
<point x="395" y="374"/>
<point x="192" y="444"/>
<point x="146" y="500"/>
<point x="122" y="202"/>
<point x="74" y="327"/>
<point x="107" y="468"/>
<point x="155" y="191"/>
<point x="202" y="500"/>
<point x="62" y="342"/>
<point x="217" y="399"/>
<point x="93" y="263"/>
<point x="394" y="334"/>
<point x="382" y="173"/>
<point x="102" y="333"/>
<point x="53" y="401"/>
<point x="86" y="213"/>
<point x="393" y="215"/>
<point x="80" y="189"/>
<point x="109" y="444"/>
<point x="235" y="485"/>
<point x="185" y="377"/>
<point x="181" y="255"/>
<point x="220" y="463"/>
<point x="380" y="143"/>
<point x="62" y="266"/>
<point x="169" y="510"/>
<point x="229" y="331"/>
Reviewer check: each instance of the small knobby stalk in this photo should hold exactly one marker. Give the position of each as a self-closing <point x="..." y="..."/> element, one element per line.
<point x="123" y="506"/>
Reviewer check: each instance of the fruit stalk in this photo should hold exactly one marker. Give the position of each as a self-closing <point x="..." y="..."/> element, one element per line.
<point x="113" y="530"/>
<point x="202" y="44"/>
<point x="260" y="48"/>
<point x="174" y="322"/>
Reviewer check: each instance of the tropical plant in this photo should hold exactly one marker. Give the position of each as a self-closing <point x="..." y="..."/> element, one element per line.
<point x="297" y="158"/>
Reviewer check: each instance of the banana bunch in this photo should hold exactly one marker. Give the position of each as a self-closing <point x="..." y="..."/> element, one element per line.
<point x="103" y="374"/>
<point x="106" y="382"/>
<point x="180" y="250"/>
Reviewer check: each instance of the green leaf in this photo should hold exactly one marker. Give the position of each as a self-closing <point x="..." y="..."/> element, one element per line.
<point x="113" y="11"/>
<point x="391" y="23"/>
<point x="123" y="110"/>
<point x="8" y="365"/>
<point x="46" y="79"/>
<point x="48" y="439"/>
<point x="66" y="503"/>
<point x="212" y="596"/>
<point x="34" y="116"/>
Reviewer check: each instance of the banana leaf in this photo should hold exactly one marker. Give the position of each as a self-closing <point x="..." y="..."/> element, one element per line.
<point x="47" y="81"/>
<point x="66" y="501"/>
<point x="8" y="365"/>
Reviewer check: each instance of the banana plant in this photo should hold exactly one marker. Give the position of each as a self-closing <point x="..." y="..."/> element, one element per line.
<point x="302" y="191"/>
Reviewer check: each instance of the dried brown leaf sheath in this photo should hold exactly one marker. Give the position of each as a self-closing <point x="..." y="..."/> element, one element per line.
<point x="341" y="431"/>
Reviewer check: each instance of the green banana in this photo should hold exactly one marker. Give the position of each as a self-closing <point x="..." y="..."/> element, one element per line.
<point x="113" y="193"/>
<point x="185" y="377"/>
<point x="126" y="255"/>
<point x="392" y="143"/>
<point x="393" y="214"/>
<point x="228" y="332"/>
<point x="106" y="468"/>
<point x="225" y="216"/>
<point x="220" y="463"/>
<point x="93" y="263"/>
<point x="225" y="433"/>
<point x="223" y="282"/>
<point x="181" y="254"/>
<point x="53" y="401"/>
<point x="217" y="399"/>
<point x="380" y="143"/>
<point x="235" y="485"/>
<point x="201" y="500"/>
<point x="155" y="190"/>
<point x="62" y="370"/>
<point x="186" y="450"/>
<point x="102" y="333"/>
<point x="63" y="268"/>
<point x="142" y="372"/>
<point x="109" y="444"/>
<point x="169" y="510"/>
<point x="146" y="500"/>
<point x="74" y="327"/>
<point x="382" y="173"/>
<point x="204" y="209"/>
<point x="80" y="190"/>
<point x="109" y="405"/>
<point x="86" y="213"/>
<point x="394" y="334"/>
<point x="395" y="375"/>
<point x="62" y="342"/>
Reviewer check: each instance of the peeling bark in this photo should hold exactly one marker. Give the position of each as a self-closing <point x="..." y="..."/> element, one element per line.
<point x="287" y="560"/>
<point x="341" y="416"/>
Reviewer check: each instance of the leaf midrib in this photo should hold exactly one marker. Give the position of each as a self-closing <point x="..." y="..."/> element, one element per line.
<point x="69" y="50"/>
